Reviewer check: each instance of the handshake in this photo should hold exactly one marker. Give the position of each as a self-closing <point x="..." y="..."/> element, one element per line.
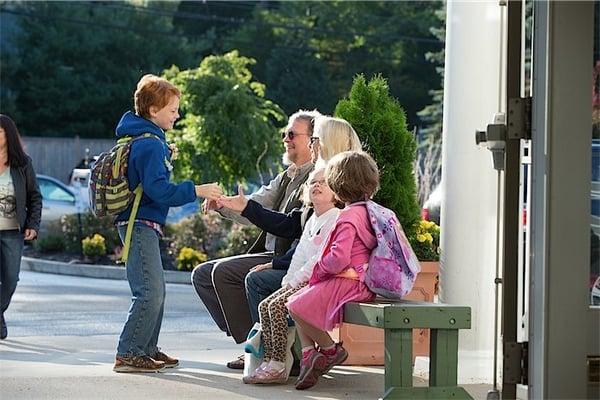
<point x="218" y="201"/>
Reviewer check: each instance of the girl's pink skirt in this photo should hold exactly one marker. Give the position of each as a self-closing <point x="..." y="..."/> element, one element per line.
<point x="321" y="305"/>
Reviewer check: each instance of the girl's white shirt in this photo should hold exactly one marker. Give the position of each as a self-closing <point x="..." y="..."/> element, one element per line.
<point x="314" y="236"/>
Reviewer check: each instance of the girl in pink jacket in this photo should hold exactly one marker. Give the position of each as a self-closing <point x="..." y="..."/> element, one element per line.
<point x="337" y="277"/>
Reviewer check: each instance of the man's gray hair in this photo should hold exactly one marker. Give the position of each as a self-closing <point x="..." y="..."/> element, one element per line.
<point x="305" y="115"/>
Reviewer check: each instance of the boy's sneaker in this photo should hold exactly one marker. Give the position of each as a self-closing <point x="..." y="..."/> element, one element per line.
<point x="138" y="364"/>
<point x="170" y="362"/>
<point x="311" y="368"/>
<point x="336" y="358"/>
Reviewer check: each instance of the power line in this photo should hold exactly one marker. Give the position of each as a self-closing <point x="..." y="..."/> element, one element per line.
<point x="174" y="34"/>
<point x="216" y="18"/>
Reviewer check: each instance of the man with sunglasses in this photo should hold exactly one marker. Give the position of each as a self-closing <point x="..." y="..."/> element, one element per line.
<point x="221" y="283"/>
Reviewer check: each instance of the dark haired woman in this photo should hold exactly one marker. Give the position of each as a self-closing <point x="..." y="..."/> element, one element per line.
<point x="20" y="210"/>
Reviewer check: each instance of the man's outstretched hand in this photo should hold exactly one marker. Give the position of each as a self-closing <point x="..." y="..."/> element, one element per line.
<point x="236" y="203"/>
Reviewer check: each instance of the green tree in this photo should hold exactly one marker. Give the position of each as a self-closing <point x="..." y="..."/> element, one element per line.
<point x="380" y="122"/>
<point x="428" y="165"/>
<point x="74" y="65"/>
<point x="229" y="132"/>
<point x="341" y="38"/>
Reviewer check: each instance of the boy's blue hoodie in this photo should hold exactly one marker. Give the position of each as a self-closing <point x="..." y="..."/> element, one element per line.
<point x="148" y="164"/>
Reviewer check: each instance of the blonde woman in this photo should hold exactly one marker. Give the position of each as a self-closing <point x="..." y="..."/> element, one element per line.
<point x="332" y="136"/>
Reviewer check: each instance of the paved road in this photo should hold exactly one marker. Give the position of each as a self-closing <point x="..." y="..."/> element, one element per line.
<point x="56" y="305"/>
<point x="62" y="336"/>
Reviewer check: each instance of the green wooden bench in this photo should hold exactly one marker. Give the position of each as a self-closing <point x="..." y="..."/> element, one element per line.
<point x="399" y="318"/>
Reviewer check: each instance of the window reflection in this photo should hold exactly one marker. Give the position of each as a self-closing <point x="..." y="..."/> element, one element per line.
<point x="595" y="194"/>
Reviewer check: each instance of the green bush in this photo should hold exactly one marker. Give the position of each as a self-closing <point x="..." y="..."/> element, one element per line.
<point x="204" y="232"/>
<point x="239" y="240"/>
<point x="188" y="258"/>
<point x="50" y="243"/>
<point x="426" y="241"/>
<point x="94" y="246"/>
<point x="90" y="225"/>
<point x="380" y="122"/>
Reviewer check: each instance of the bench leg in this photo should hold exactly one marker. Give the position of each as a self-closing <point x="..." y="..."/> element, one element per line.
<point x="443" y="357"/>
<point x="398" y="358"/>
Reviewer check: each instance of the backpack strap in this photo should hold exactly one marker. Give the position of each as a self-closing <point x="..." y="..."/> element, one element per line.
<point x="130" y="222"/>
<point x="136" y="202"/>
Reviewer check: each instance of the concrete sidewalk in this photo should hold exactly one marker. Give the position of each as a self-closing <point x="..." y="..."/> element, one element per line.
<point x="68" y="367"/>
<point x="81" y="368"/>
<point x="62" y="336"/>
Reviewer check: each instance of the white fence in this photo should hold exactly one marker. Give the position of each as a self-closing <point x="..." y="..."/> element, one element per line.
<point x="58" y="156"/>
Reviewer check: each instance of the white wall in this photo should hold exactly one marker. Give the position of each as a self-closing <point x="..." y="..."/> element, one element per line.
<point x="472" y="94"/>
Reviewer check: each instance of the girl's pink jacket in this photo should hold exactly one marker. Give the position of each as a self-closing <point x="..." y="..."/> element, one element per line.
<point x="348" y="246"/>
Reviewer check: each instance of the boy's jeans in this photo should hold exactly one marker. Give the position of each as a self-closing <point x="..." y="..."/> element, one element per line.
<point x="147" y="284"/>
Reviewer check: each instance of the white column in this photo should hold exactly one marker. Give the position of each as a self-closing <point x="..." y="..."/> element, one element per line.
<point x="472" y="94"/>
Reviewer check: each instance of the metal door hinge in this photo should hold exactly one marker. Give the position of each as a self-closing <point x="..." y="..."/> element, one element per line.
<point x="593" y="364"/>
<point x="515" y="363"/>
<point x="519" y="118"/>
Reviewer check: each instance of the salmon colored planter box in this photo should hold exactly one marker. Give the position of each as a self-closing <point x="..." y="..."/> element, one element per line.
<point x="365" y="344"/>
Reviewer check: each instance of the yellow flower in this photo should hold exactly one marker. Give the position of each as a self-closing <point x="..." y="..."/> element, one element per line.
<point x="421" y="238"/>
<point x="429" y="237"/>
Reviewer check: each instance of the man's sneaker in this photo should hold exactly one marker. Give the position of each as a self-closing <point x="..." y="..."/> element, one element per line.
<point x="3" y="328"/>
<point x="137" y="364"/>
<point x="336" y="358"/>
<point x="170" y="362"/>
<point x="237" y="363"/>
<point x="311" y="368"/>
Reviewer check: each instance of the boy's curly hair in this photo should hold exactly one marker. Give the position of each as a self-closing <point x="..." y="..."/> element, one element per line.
<point x="153" y="91"/>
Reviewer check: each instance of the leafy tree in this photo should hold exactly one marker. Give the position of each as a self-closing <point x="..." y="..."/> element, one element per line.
<point x="344" y="38"/>
<point x="292" y="87"/>
<point x="229" y="131"/>
<point x="428" y="165"/>
<point x="74" y="65"/>
<point x="380" y="122"/>
<point x="214" y="19"/>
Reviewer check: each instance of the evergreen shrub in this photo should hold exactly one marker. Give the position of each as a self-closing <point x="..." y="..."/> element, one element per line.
<point x="380" y="122"/>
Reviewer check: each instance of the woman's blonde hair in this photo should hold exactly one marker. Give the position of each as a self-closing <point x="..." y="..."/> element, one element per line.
<point x="353" y="176"/>
<point x="153" y="91"/>
<point x="335" y="135"/>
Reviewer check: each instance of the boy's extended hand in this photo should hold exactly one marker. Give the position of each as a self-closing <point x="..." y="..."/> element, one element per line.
<point x="209" y="205"/>
<point x="210" y="191"/>
<point x="235" y="203"/>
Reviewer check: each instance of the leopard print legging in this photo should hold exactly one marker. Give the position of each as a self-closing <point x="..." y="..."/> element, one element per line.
<point x="273" y="320"/>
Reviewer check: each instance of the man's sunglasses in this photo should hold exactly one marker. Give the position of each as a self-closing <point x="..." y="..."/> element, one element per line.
<point x="290" y="135"/>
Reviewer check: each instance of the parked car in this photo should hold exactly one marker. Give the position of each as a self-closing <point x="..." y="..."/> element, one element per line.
<point x="80" y="184"/>
<point x="58" y="199"/>
<point x="176" y="214"/>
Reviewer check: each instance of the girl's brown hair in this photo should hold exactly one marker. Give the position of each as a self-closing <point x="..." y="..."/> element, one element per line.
<point x="153" y="91"/>
<point x="353" y="176"/>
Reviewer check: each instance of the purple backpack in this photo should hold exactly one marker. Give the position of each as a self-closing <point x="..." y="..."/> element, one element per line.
<point x="393" y="265"/>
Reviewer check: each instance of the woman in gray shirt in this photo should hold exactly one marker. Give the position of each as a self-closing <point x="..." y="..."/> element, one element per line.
<point x="20" y="210"/>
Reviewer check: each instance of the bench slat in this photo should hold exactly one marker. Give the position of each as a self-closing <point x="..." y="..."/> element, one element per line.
<point x="398" y="358"/>
<point x="443" y="362"/>
<point x="398" y="318"/>
<point x="408" y="314"/>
